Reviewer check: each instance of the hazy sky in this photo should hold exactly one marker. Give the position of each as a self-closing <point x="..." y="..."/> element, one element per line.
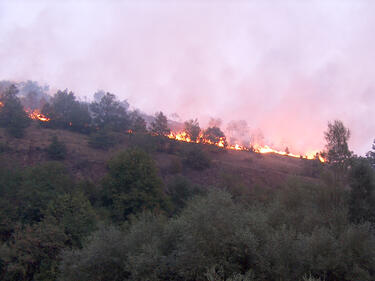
<point x="286" y="67"/>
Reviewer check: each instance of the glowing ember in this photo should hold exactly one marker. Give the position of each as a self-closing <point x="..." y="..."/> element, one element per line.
<point x="183" y="136"/>
<point x="1" y="104"/>
<point x="36" y="115"/>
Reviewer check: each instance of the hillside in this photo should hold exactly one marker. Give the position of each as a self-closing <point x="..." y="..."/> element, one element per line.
<point x="85" y="162"/>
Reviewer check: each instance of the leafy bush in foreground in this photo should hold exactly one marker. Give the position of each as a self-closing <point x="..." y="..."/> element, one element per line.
<point x="215" y="238"/>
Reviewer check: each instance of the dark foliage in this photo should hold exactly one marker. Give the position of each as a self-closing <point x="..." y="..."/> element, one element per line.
<point x="66" y="112"/>
<point x="287" y="239"/>
<point x="197" y="159"/>
<point x="56" y="150"/>
<point x="41" y="213"/>
<point x="180" y="190"/>
<point x="138" y="123"/>
<point x="133" y="185"/>
<point x="159" y="126"/>
<point x="110" y="114"/>
<point x="102" y="139"/>
<point x="338" y="153"/>
<point x="362" y="194"/>
<point x="12" y="115"/>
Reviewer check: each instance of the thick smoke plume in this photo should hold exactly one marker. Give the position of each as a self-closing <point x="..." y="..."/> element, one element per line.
<point x="283" y="67"/>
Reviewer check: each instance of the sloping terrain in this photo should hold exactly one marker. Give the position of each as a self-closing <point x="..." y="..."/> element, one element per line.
<point x="84" y="162"/>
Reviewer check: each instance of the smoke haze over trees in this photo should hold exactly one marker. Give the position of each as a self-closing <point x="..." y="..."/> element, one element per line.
<point x="257" y="65"/>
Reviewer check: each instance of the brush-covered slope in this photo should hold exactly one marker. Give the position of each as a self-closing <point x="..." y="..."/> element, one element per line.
<point x="84" y="162"/>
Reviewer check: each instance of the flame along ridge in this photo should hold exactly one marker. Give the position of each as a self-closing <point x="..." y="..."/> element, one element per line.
<point x="183" y="136"/>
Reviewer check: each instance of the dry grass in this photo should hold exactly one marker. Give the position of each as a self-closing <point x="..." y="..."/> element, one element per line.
<point x="89" y="163"/>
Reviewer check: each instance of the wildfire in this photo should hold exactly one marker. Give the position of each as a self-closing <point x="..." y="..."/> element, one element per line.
<point x="36" y="115"/>
<point x="183" y="136"/>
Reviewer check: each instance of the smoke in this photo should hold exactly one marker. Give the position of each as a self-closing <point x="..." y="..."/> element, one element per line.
<point x="284" y="67"/>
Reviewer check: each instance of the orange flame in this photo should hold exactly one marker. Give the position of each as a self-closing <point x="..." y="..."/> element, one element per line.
<point x="36" y="115"/>
<point x="183" y="136"/>
<point x="1" y="104"/>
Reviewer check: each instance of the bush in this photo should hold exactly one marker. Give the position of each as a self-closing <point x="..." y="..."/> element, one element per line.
<point x="101" y="140"/>
<point x="57" y="149"/>
<point x="197" y="159"/>
<point x="175" y="166"/>
<point x="39" y="185"/>
<point x="102" y="258"/>
<point x="133" y="185"/>
<point x="362" y="193"/>
<point x="4" y="147"/>
<point x="215" y="238"/>
<point x="180" y="190"/>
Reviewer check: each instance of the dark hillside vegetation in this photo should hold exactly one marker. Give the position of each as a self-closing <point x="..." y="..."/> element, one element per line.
<point x="95" y="194"/>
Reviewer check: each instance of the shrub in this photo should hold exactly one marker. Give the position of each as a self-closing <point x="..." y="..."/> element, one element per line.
<point x="175" y="166"/>
<point x="362" y="193"/>
<point x="101" y="140"/>
<point x="197" y="159"/>
<point x="133" y="185"/>
<point x="180" y="190"/>
<point x="4" y="147"/>
<point x="57" y="149"/>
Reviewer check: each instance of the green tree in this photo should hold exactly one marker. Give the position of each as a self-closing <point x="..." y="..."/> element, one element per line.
<point x="56" y="149"/>
<point x="32" y="252"/>
<point x="74" y="213"/>
<point x="110" y="113"/>
<point x="102" y="258"/>
<point x="39" y="185"/>
<point x="362" y="193"/>
<point x="338" y="152"/>
<point x="133" y="185"/>
<point x="66" y="112"/>
<point x="12" y="115"/>
<point x="159" y="126"/>
<point x="138" y="123"/>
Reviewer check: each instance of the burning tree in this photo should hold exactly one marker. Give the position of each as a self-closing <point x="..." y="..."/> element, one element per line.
<point x="192" y="129"/>
<point x="159" y="126"/>
<point x="33" y="96"/>
<point x="12" y="115"/>
<point x="215" y="136"/>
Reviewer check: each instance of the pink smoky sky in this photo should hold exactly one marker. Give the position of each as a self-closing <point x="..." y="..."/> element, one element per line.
<point x="285" y="67"/>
